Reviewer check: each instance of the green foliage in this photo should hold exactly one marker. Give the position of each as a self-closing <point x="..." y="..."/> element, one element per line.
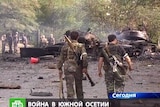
<point x="17" y="15"/>
<point x="116" y="14"/>
<point x="102" y="16"/>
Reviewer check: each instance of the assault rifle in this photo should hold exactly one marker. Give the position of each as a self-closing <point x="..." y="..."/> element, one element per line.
<point x="114" y="63"/>
<point x="79" y="61"/>
<point x="61" y="93"/>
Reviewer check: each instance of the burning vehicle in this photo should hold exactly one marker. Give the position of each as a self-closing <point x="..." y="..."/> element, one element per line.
<point x="136" y="43"/>
<point x="88" y="39"/>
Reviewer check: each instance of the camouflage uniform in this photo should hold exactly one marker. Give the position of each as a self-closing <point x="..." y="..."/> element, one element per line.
<point x="43" y="42"/>
<point x="4" y="40"/>
<point x="51" y="40"/>
<point x="24" y="41"/>
<point x="113" y="82"/>
<point x="10" y="41"/>
<point x="15" y="42"/>
<point x="72" y="71"/>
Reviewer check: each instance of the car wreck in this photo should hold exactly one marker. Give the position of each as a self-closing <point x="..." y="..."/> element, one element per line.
<point x="88" y="39"/>
<point x="136" y="43"/>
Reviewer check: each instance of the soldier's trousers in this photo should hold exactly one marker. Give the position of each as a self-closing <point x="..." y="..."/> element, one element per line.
<point x="74" y="79"/>
<point x="15" y="47"/>
<point x="113" y="84"/>
<point x="10" y="47"/>
<point x="3" y="47"/>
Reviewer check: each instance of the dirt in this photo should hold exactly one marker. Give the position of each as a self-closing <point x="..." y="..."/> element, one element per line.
<point x="39" y="78"/>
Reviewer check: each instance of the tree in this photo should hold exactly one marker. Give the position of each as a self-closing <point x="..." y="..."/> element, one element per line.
<point x="116" y="14"/>
<point x="18" y="15"/>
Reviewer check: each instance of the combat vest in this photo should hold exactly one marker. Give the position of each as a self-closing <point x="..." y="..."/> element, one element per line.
<point x="70" y="63"/>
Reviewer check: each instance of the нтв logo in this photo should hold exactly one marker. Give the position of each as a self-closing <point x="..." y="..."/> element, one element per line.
<point x="17" y="102"/>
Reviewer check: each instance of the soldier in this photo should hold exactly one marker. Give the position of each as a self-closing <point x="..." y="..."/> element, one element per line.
<point x="4" y="40"/>
<point x="113" y="82"/>
<point x="15" y="42"/>
<point x="24" y="40"/>
<point x="43" y="41"/>
<point x="73" y="71"/>
<point x="51" y="40"/>
<point x="10" y="40"/>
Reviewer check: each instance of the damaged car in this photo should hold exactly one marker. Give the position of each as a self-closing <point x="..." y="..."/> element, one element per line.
<point x="136" y="43"/>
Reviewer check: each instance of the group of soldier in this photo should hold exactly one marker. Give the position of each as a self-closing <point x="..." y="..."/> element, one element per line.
<point x="13" y="40"/>
<point x="44" y="42"/>
<point x="73" y="71"/>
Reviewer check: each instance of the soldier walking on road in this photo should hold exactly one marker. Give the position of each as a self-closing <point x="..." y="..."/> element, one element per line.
<point x="72" y="71"/>
<point x="4" y="41"/>
<point x="114" y="80"/>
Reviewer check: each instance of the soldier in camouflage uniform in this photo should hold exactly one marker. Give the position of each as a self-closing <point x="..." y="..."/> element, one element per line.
<point x="43" y="41"/>
<point x="24" y="40"/>
<point x="15" y="42"/>
<point x="51" y="40"/>
<point x="10" y="41"/>
<point x="73" y="71"/>
<point x="4" y="41"/>
<point x="113" y="82"/>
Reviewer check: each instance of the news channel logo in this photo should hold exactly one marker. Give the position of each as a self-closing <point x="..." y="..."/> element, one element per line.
<point x="17" y="102"/>
<point x="22" y="102"/>
<point x="133" y="95"/>
<point x="123" y="95"/>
